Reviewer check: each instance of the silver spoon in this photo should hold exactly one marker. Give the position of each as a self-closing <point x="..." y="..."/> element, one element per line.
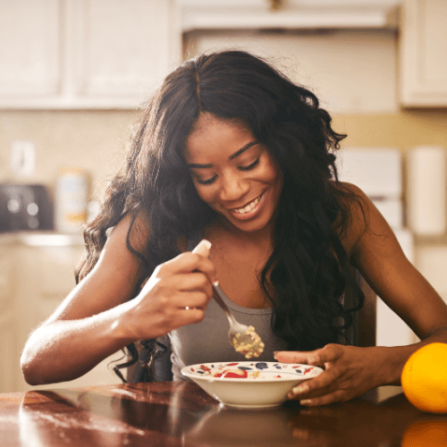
<point x="243" y="338"/>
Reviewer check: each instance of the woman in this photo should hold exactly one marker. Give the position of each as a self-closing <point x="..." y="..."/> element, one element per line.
<point x="231" y="151"/>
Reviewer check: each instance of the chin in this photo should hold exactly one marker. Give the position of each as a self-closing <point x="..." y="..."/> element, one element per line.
<point x="251" y="227"/>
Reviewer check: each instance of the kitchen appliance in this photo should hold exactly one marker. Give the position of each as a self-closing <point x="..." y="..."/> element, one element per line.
<point x="25" y="207"/>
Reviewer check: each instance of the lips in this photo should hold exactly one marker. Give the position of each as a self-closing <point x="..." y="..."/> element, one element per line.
<point x="249" y="207"/>
<point x="249" y="210"/>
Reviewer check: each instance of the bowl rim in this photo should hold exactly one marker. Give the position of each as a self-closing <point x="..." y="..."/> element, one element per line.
<point x="316" y="371"/>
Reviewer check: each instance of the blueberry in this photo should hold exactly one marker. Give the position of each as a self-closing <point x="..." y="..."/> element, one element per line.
<point x="261" y="365"/>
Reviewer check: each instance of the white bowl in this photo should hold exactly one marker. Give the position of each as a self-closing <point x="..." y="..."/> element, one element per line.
<point x="266" y="384"/>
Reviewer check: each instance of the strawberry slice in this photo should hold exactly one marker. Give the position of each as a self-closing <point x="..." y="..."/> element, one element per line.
<point x="232" y="374"/>
<point x="236" y="374"/>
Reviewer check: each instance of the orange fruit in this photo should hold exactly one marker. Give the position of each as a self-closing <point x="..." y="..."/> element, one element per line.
<point x="424" y="378"/>
<point x="425" y="434"/>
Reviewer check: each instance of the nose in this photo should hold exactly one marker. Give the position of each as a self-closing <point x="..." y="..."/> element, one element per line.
<point x="233" y="187"/>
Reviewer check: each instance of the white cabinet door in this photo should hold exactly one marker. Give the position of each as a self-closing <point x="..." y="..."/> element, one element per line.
<point x="29" y="49"/>
<point x="121" y="50"/>
<point x="73" y="54"/>
<point x="423" y="50"/>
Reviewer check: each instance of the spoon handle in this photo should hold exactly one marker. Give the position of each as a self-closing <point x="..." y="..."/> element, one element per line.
<point x="218" y="296"/>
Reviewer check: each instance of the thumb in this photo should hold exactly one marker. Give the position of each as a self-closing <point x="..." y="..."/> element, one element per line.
<point x="203" y="248"/>
<point x="294" y="356"/>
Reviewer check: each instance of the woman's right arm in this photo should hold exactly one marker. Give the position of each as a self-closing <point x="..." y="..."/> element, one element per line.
<point x="97" y="319"/>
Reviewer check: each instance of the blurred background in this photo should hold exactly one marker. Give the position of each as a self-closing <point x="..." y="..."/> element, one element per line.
<point x="74" y="75"/>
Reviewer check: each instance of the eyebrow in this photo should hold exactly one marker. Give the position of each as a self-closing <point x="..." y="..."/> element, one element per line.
<point x="231" y="157"/>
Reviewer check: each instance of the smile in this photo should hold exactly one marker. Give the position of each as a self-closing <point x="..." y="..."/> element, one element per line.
<point x="247" y="208"/>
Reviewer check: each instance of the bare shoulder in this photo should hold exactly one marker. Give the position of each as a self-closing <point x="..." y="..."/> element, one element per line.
<point x="367" y="232"/>
<point x="131" y="235"/>
<point x="380" y="259"/>
<point x="358" y="208"/>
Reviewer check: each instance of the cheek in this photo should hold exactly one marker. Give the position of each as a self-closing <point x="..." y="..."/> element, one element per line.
<point x="206" y="194"/>
<point x="276" y="182"/>
<point x="272" y="175"/>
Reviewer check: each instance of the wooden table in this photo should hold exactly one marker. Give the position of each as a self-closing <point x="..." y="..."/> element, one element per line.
<point x="181" y="414"/>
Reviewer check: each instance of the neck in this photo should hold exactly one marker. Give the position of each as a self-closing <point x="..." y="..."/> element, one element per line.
<point x="260" y="238"/>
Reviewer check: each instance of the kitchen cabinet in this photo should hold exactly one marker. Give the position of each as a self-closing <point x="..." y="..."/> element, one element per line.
<point x="30" y="49"/>
<point x="423" y="53"/>
<point x="44" y="278"/>
<point x="36" y="274"/>
<point x="8" y="335"/>
<point x="290" y="14"/>
<point x="85" y="53"/>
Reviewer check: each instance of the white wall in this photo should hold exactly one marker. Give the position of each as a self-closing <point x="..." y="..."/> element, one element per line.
<point x="350" y="71"/>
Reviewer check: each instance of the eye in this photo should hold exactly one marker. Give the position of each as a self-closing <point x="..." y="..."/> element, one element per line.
<point x="250" y="166"/>
<point x="206" y="182"/>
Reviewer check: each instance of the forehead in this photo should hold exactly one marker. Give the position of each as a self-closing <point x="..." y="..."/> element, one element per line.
<point x="212" y="135"/>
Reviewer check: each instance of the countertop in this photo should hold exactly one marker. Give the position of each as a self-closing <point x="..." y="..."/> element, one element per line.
<point x="41" y="239"/>
<point x="181" y="414"/>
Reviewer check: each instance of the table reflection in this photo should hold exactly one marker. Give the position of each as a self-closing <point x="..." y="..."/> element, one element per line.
<point x="120" y="417"/>
<point x="183" y="415"/>
<point x="362" y="423"/>
<point x="356" y="423"/>
<point x="426" y="432"/>
<point x="67" y="421"/>
<point x="224" y="426"/>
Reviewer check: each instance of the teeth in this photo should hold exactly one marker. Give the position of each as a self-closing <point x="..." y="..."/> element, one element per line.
<point x="248" y="207"/>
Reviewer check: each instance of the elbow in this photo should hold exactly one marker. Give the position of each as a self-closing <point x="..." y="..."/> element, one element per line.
<point x="29" y="370"/>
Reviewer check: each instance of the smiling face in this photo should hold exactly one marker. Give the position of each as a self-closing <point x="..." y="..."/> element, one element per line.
<point x="233" y="173"/>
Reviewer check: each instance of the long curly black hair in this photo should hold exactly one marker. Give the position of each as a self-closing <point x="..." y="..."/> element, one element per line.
<point x="309" y="269"/>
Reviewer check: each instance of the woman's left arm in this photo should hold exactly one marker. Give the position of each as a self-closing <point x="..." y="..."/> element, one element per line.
<point x="351" y="371"/>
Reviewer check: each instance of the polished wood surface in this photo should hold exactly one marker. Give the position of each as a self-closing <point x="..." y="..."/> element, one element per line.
<point x="181" y="414"/>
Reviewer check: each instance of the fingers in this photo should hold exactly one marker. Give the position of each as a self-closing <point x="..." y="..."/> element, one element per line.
<point x="338" y="383"/>
<point x="190" y="316"/>
<point x="203" y="248"/>
<point x="187" y="262"/>
<point x="325" y="383"/>
<point x="192" y="281"/>
<point x="178" y="291"/>
<point x="294" y="356"/>
<point x="190" y="300"/>
<point x="336" y="396"/>
<point x="171" y="317"/>
<point x="330" y="353"/>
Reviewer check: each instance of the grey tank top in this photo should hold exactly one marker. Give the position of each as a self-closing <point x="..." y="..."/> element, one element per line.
<point x="208" y="341"/>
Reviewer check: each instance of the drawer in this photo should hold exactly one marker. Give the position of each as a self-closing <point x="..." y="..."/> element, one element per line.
<point x="51" y="269"/>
